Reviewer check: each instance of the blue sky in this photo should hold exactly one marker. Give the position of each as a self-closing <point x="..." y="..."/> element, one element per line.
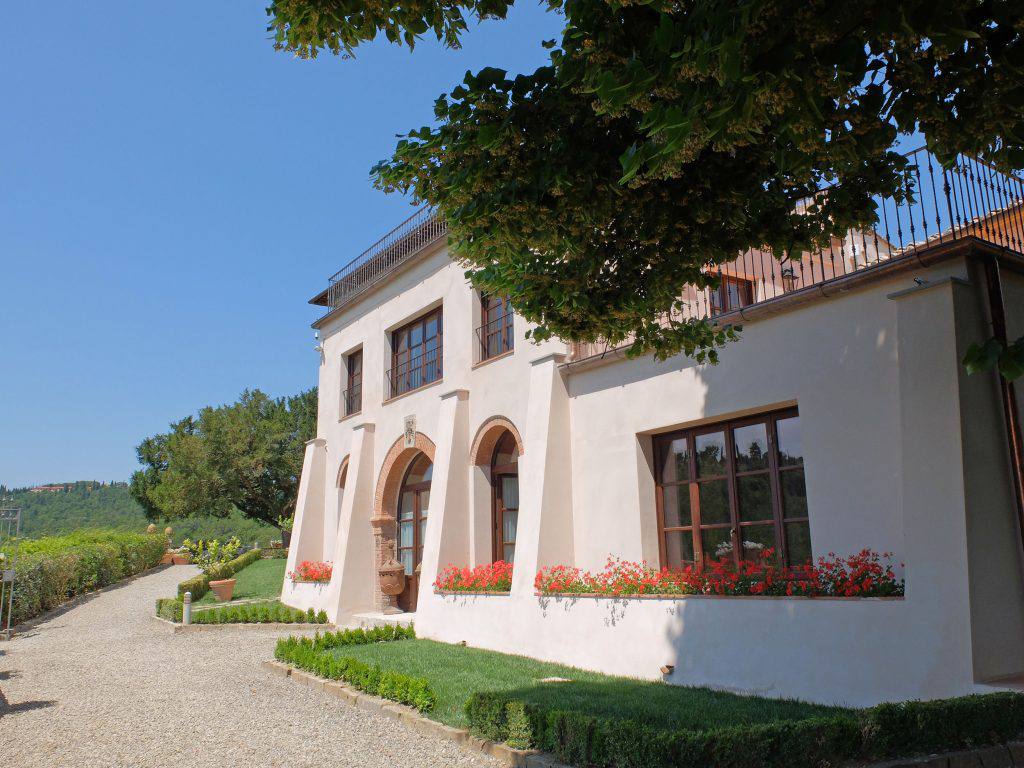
<point x="172" y="191"/>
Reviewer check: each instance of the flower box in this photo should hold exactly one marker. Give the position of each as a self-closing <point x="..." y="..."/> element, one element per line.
<point x="490" y="578"/>
<point x="864" y="575"/>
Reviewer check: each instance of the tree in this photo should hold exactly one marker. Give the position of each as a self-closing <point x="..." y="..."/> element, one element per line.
<point x="246" y="456"/>
<point x="664" y="137"/>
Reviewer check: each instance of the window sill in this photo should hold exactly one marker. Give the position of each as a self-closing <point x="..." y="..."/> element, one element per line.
<point x="821" y="599"/>
<point x="348" y="416"/>
<point x="434" y="383"/>
<point x="482" y="363"/>
<point x="455" y="592"/>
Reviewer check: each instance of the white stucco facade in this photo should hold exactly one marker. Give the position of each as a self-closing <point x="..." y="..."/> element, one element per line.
<point x="903" y="453"/>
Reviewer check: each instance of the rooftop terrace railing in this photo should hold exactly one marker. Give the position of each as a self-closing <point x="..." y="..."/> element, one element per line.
<point x="419" y="231"/>
<point x="970" y="198"/>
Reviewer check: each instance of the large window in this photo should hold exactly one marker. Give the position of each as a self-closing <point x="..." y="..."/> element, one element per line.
<point x="496" y="332"/>
<point x="505" y="485"/>
<point x="415" y="354"/>
<point x="352" y="396"/>
<point x="733" y="490"/>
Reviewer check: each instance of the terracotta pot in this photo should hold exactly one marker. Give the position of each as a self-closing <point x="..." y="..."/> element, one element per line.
<point x="179" y="559"/>
<point x="167" y="559"/>
<point x="392" y="577"/>
<point x="223" y="589"/>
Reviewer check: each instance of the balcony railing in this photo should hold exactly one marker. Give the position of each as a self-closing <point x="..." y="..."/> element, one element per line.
<point x="416" y="372"/>
<point x="419" y="231"/>
<point x="968" y="199"/>
<point x="495" y="337"/>
<point x="352" y="400"/>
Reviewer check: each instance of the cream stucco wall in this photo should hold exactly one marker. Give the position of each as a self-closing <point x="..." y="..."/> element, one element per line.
<point x="876" y="377"/>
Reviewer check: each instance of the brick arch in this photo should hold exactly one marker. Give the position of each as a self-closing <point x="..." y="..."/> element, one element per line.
<point x="487" y="437"/>
<point x="342" y="477"/>
<point x="397" y="460"/>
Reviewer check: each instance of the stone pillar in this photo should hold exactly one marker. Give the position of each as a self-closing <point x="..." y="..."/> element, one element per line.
<point x="308" y="527"/>
<point x="545" y="532"/>
<point x="354" y="580"/>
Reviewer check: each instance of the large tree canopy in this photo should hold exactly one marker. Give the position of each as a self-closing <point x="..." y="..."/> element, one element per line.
<point x="246" y="456"/>
<point x="669" y="135"/>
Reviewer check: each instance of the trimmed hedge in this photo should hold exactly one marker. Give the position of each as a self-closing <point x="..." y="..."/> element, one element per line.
<point x="885" y="731"/>
<point x="53" y="569"/>
<point x="257" y="613"/>
<point x="169" y="608"/>
<point x="200" y="585"/>
<point x="316" y="655"/>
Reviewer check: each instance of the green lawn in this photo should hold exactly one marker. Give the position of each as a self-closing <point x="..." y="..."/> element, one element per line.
<point x="455" y="672"/>
<point x="262" y="579"/>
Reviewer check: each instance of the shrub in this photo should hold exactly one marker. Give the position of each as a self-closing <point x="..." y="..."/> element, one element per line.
<point x="316" y="655"/>
<point x="866" y="574"/>
<point x="275" y="553"/>
<point x="54" y="569"/>
<point x="200" y="585"/>
<point x="169" y="608"/>
<point x="251" y="613"/>
<point x="211" y="554"/>
<point x="490" y="577"/>
<point x="883" y="732"/>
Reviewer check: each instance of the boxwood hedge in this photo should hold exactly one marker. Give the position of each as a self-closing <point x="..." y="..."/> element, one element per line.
<point x="317" y="655"/>
<point x="885" y="731"/>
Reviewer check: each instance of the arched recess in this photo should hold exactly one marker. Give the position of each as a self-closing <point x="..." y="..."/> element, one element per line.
<point x="343" y="473"/>
<point x="487" y="437"/>
<point x="397" y="460"/>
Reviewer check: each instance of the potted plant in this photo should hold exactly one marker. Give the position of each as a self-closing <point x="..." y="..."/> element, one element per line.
<point x="285" y="523"/>
<point x="212" y="556"/>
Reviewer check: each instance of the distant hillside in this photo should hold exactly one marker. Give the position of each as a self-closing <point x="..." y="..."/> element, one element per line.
<point x="94" y="504"/>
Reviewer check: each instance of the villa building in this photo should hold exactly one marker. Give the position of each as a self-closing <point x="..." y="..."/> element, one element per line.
<point x="842" y="419"/>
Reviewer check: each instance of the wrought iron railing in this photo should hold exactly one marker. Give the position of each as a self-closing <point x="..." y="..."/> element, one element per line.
<point x="352" y="399"/>
<point x="416" y="372"/>
<point x="495" y="337"/>
<point x="939" y="205"/>
<point x="420" y="230"/>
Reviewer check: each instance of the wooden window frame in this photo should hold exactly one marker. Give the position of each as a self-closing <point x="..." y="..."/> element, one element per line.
<point x="427" y="371"/>
<point x="746" y="291"/>
<point x="499" y="471"/>
<point x="504" y="330"/>
<point x="352" y="397"/>
<point x="735" y="525"/>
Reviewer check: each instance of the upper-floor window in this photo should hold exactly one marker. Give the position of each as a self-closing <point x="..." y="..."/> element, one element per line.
<point x="416" y="353"/>
<point x="732" y="293"/>
<point x="352" y="395"/>
<point x="496" y="331"/>
<point x="733" y="490"/>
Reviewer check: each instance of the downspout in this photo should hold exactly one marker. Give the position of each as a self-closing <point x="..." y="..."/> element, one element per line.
<point x="1008" y="394"/>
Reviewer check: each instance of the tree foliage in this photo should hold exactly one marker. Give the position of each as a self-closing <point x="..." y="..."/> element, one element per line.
<point x="667" y="136"/>
<point x="246" y="456"/>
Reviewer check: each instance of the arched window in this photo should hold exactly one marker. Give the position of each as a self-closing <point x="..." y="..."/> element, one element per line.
<point x="413" y="501"/>
<point x="505" y="496"/>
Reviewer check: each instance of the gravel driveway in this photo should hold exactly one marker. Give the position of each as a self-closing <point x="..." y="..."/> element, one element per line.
<point x="104" y="684"/>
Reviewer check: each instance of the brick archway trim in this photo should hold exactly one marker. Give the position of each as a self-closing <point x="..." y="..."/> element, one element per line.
<point x="487" y="437"/>
<point x="392" y="471"/>
<point x="342" y="471"/>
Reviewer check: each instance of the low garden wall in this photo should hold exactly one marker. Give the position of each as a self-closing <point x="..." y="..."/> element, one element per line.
<point x="54" y="569"/>
<point x="304" y="594"/>
<point x="852" y="651"/>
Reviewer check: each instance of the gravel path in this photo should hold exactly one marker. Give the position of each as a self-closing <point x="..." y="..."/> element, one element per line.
<point x="104" y="684"/>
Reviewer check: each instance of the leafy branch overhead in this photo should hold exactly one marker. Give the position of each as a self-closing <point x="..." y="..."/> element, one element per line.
<point x="664" y="137"/>
<point x="246" y="456"/>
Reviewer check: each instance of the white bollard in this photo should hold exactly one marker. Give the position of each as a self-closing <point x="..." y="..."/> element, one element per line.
<point x="186" y="609"/>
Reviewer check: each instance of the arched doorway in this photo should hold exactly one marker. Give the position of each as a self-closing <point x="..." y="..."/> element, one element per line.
<point x="505" y="497"/>
<point x="411" y="518"/>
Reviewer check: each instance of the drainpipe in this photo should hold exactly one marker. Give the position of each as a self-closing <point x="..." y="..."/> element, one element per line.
<point x="1011" y="417"/>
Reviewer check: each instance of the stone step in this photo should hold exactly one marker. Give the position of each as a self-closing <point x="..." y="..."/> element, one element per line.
<point x="376" y="619"/>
